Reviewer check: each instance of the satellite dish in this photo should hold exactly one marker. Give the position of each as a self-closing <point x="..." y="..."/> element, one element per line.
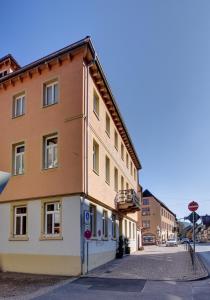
<point x="4" y="178"/>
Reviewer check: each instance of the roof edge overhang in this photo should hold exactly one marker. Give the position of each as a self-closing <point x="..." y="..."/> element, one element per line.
<point x="85" y="42"/>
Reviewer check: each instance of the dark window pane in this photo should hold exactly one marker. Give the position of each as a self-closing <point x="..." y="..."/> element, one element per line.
<point x="49" y="224"/>
<point x="21" y="210"/>
<point x="50" y="207"/>
<point x="18" y="219"/>
<point x="24" y="225"/>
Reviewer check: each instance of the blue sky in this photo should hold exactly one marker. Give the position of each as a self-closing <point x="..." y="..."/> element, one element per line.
<point x="156" y="55"/>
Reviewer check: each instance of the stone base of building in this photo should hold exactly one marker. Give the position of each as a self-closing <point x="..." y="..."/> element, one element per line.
<point x="41" y="264"/>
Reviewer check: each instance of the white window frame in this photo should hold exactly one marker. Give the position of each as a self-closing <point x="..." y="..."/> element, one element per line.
<point x="96" y="104"/>
<point x="53" y="100"/>
<point x="21" y="155"/>
<point x="54" y="149"/>
<point x="20" y="98"/>
<point x="53" y="213"/>
<point x="21" y="216"/>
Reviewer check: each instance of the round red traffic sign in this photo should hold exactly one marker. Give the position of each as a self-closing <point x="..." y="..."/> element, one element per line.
<point x="193" y="206"/>
<point x="87" y="234"/>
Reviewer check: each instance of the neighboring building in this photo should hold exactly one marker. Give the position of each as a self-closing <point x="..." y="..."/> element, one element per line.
<point x="157" y="220"/>
<point x="72" y="161"/>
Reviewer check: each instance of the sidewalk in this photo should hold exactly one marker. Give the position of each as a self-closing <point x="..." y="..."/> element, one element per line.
<point x="154" y="263"/>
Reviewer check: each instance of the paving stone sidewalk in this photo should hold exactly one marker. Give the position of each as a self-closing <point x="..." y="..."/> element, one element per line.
<point x="154" y="263"/>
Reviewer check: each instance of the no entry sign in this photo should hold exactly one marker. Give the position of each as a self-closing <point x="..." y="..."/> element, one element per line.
<point x="87" y="234"/>
<point x="193" y="206"/>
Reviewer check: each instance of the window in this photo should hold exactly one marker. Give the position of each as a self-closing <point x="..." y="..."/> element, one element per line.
<point x="115" y="179"/>
<point x="134" y="236"/>
<point x="95" y="157"/>
<point x="107" y="124"/>
<point x="52" y="218"/>
<point x="127" y="165"/>
<point x="105" y="224"/>
<point x="131" y="168"/>
<point x="19" y="152"/>
<point x="107" y="175"/>
<point x="50" y="152"/>
<point x="126" y="234"/>
<point x="114" y="226"/>
<point x="122" y="183"/>
<point x="145" y="211"/>
<point x="146" y="224"/>
<point x="19" y="106"/>
<point x="96" y="104"/>
<point x="122" y="151"/>
<point x="93" y="219"/>
<point x="145" y="201"/>
<point x="129" y="229"/>
<point x="50" y="93"/>
<point x="127" y="186"/>
<point x="116" y="140"/>
<point x="134" y="169"/>
<point x="20" y="219"/>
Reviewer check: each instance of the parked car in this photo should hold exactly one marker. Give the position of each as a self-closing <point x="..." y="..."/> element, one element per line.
<point x="171" y="243"/>
<point x="185" y="240"/>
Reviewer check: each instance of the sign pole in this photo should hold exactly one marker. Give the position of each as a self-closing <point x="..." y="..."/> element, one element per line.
<point x="193" y="240"/>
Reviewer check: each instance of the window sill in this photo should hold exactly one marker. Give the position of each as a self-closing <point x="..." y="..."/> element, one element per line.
<point x="105" y="239"/>
<point x="18" y="174"/>
<point x="51" y="238"/>
<point x="94" y="238"/>
<point x="97" y="173"/>
<point x="47" y="169"/>
<point x="20" y="238"/>
<point x="48" y="105"/>
<point x="97" y="116"/>
<point x="107" y="133"/>
<point x="15" y="117"/>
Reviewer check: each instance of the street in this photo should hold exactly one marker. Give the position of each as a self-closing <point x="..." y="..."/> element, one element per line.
<point x="120" y="280"/>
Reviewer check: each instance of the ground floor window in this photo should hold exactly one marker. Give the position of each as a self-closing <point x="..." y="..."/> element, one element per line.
<point x="52" y="218"/>
<point x="114" y="226"/>
<point x="20" y="219"/>
<point x="105" y="224"/>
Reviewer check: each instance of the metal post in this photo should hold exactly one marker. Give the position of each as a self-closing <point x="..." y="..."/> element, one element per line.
<point x="87" y="254"/>
<point x="193" y="239"/>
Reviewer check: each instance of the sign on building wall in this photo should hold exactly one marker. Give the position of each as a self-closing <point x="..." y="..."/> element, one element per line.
<point x="87" y="217"/>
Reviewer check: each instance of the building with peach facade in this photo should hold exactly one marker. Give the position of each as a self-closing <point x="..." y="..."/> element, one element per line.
<point x="74" y="167"/>
<point x="157" y="221"/>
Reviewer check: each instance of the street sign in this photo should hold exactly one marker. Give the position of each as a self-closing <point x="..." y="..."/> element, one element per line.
<point x="190" y="217"/>
<point x="193" y="206"/>
<point x="87" y="217"/>
<point x="87" y="234"/>
<point x="4" y="178"/>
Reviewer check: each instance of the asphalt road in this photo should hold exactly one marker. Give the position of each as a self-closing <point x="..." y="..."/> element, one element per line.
<point x="203" y="250"/>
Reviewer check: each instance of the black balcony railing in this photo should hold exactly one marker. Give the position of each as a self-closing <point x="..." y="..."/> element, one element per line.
<point x="128" y="201"/>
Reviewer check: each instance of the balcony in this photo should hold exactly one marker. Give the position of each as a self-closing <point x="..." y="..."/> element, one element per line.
<point x="127" y="201"/>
